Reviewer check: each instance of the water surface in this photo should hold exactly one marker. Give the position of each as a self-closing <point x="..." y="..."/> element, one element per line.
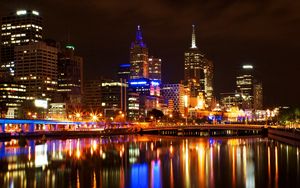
<point x="150" y="161"/>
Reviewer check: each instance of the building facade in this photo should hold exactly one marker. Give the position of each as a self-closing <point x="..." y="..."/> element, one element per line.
<point x="92" y="95"/>
<point x="250" y="89"/>
<point x="70" y="76"/>
<point x="154" y="68"/>
<point x="113" y="97"/>
<point x="258" y="96"/>
<point x="148" y="92"/>
<point x="173" y="95"/>
<point x="19" y="28"/>
<point x="124" y="71"/>
<point x="36" y="68"/>
<point x="138" y="57"/>
<point x="198" y="72"/>
<point x="12" y="96"/>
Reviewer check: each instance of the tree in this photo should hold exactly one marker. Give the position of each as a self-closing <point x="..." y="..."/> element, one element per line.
<point x="156" y="113"/>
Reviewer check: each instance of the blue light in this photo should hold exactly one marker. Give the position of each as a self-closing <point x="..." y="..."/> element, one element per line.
<point x="155" y="83"/>
<point x="138" y="83"/>
<point x="31" y="121"/>
<point x="139" y="175"/>
<point x="156" y="173"/>
<point x="125" y="65"/>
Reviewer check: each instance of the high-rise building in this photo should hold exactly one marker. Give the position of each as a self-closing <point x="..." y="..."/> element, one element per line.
<point x="138" y="57"/>
<point x="70" y="76"/>
<point x="36" y="68"/>
<point x="249" y="88"/>
<point x="154" y="68"/>
<point x="229" y="100"/>
<point x="198" y="72"/>
<point x="258" y="96"/>
<point x="174" y="97"/>
<point x="124" y="71"/>
<point x="113" y="96"/>
<point x="148" y="92"/>
<point x="12" y="95"/>
<point x="92" y="95"/>
<point x="18" y="28"/>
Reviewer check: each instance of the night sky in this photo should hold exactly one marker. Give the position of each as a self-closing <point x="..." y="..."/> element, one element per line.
<point x="265" y="33"/>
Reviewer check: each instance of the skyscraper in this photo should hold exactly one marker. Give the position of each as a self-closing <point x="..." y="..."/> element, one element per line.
<point x="124" y="71"/>
<point x="244" y="84"/>
<point x="12" y="96"/>
<point x="113" y="96"/>
<point x="70" y="75"/>
<point x="138" y="57"/>
<point x="92" y="94"/>
<point x="36" y="68"/>
<point x="154" y="68"/>
<point x="18" y="28"/>
<point x="249" y="88"/>
<point x="258" y="96"/>
<point x="198" y="71"/>
<point x="174" y="97"/>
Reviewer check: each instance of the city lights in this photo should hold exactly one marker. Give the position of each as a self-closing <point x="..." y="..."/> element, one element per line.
<point x="169" y="103"/>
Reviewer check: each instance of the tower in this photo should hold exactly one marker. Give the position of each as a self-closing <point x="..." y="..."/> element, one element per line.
<point x="19" y="28"/>
<point x="138" y="57"/>
<point x="70" y="75"/>
<point x="36" y="68"/>
<point x="249" y="88"/>
<point x="198" y="71"/>
<point x="154" y="69"/>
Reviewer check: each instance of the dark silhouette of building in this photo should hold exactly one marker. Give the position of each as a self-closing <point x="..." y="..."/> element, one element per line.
<point x="70" y="75"/>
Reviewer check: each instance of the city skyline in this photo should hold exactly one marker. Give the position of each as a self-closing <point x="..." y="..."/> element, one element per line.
<point x="169" y="41"/>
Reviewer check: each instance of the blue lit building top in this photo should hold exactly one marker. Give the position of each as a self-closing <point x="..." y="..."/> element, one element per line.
<point x="125" y="65"/>
<point x="138" y="38"/>
<point x="143" y="82"/>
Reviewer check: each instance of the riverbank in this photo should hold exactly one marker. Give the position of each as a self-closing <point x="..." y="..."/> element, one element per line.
<point x="289" y="136"/>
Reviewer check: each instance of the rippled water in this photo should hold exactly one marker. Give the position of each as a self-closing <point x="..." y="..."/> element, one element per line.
<point x="150" y="161"/>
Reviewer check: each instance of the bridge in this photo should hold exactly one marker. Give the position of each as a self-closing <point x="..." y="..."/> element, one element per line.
<point x="30" y="125"/>
<point x="206" y="130"/>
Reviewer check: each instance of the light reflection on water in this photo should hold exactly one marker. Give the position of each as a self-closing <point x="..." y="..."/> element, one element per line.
<point x="149" y="161"/>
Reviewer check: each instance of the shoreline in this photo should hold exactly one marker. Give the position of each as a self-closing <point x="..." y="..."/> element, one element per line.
<point x="286" y="136"/>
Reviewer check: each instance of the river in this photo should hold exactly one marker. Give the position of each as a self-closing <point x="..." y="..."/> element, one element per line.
<point x="150" y="161"/>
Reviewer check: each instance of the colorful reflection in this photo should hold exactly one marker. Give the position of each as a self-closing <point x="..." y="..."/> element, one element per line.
<point x="149" y="161"/>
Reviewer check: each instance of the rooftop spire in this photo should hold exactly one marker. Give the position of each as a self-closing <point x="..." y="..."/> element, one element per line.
<point x="139" y="37"/>
<point x="193" y="38"/>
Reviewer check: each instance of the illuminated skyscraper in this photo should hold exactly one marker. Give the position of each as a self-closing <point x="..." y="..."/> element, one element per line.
<point x="12" y="96"/>
<point x="258" y="96"/>
<point x="198" y="71"/>
<point x="154" y="69"/>
<point x="138" y="57"/>
<point x="113" y="96"/>
<point x="36" y="68"/>
<point x="18" y="28"/>
<point x="249" y="88"/>
<point x="174" y="97"/>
